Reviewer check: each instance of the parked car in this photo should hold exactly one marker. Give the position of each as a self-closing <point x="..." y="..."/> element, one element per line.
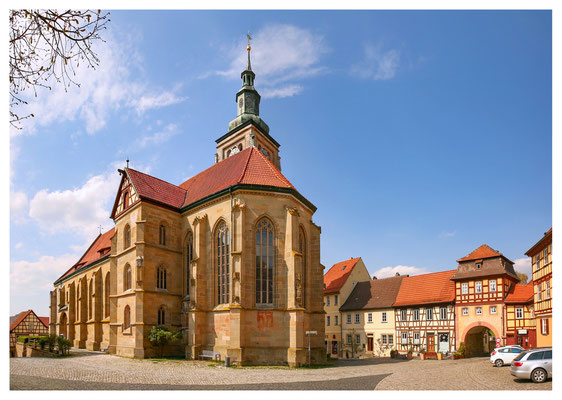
<point x="533" y="364"/>
<point x="504" y="355"/>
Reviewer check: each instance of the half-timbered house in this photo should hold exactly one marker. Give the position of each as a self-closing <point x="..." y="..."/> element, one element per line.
<point x="519" y="316"/>
<point x="482" y="282"/>
<point x="27" y="323"/>
<point x="425" y="313"/>
<point x="541" y="256"/>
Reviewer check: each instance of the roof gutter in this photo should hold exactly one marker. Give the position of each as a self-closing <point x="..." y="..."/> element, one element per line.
<point x="86" y="267"/>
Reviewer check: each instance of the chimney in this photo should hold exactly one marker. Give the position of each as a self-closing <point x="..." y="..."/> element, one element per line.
<point x="398" y="274"/>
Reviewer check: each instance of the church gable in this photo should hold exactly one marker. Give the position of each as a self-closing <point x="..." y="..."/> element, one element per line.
<point x="126" y="195"/>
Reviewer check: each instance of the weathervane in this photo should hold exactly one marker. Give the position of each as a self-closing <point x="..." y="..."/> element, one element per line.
<point x="249" y="68"/>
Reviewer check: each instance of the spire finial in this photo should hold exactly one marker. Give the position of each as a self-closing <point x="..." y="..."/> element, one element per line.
<point x="249" y="48"/>
<point x="127" y="162"/>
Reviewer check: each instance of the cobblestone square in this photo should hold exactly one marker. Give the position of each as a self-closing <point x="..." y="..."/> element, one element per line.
<point x="97" y="371"/>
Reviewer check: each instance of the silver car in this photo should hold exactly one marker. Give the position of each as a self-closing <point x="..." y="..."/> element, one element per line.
<point x="534" y="364"/>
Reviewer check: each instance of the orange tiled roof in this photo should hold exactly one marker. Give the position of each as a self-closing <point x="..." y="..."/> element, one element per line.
<point x="521" y="294"/>
<point x="431" y="288"/>
<point x="483" y="251"/>
<point x="21" y="316"/>
<point x="94" y="252"/>
<point x="336" y="276"/>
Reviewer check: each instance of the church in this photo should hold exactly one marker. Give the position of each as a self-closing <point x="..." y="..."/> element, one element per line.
<point x="230" y="258"/>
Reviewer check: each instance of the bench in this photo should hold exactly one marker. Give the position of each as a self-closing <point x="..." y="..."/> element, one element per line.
<point x="210" y="355"/>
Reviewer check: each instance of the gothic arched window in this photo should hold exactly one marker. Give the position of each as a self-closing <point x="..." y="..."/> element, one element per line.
<point x="161" y="278"/>
<point x="189" y="258"/>
<point x="265" y="256"/>
<point x="90" y="298"/>
<point x="127" y="237"/>
<point x="302" y="250"/>
<point x="78" y="300"/>
<point x="106" y="300"/>
<point x="127" y="278"/>
<point x="161" y="316"/>
<point x="223" y="263"/>
<point x="127" y="318"/>
<point x="162" y="239"/>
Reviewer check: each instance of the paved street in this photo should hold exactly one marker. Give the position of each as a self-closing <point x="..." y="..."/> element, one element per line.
<point x="97" y="371"/>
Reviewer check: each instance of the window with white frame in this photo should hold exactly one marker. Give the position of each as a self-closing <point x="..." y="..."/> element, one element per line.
<point x="493" y="310"/>
<point x="464" y="288"/>
<point x="519" y="312"/>
<point x="478" y="310"/>
<point x="443" y="313"/>
<point x="383" y="316"/>
<point x="328" y="320"/>
<point x="545" y="255"/>
<point x="465" y="311"/>
<point x="416" y="338"/>
<point x="349" y="340"/>
<point x="403" y="315"/>
<point x="478" y="287"/>
<point x="383" y="338"/>
<point x="539" y="292"/>
<point x="429" y="314"/>
<point x="416" y="313"/>
<point x="544" y="326"/>
<point x="370" y="318"/>
<point x="348" y="316"/>
<point x="404" y="337"/>
<point x="492" y="285"/>
<point x="327" y="301"/>
<point x="357" y="339"/>
<point x="390" y="339"/>
<point x="547" y="290"/>
<point x="357" y="318"/>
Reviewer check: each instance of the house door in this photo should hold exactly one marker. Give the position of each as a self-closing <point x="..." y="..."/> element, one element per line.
<point x="431" y="343"/>
<point x="334" y="347"/>
<point x="370" y="343"/>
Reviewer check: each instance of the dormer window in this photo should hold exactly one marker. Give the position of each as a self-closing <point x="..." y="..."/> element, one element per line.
<point x="478" y="265"/>
<point x="343" y="268"/>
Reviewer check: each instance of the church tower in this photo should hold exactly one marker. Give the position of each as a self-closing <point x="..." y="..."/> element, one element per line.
<point x="248" y="129"/>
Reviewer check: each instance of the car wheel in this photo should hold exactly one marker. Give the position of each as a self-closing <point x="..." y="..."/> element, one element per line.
<point x="538" y="375"/>
<point x="499" y="362"/>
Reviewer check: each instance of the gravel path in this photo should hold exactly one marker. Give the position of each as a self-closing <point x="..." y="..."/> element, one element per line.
<point x="98" y="371"/>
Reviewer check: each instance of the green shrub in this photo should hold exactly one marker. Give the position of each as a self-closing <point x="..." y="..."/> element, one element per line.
<point x="43" y="340"/>
<point x="462" y="349"/>
<point x="23" y="339"/>
<point x="51" y="340"/>
<point x="160" y="336"/>
<point x="63" y="344"/>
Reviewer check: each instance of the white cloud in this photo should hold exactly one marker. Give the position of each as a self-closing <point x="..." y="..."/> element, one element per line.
<point x="445" y="234"/>
<point x="524" y="265"/>
<point x="116" y="84"/>
<point x="35" y="277"/>
<point x="18" y="245"/>
<point x="387" y="272"/>
<point x="377" y="64"/>
<point x="159" y="137"/>
<point x="18" y="206"/>
<point x="79" y="210"/>
<point x="280" y="53"/>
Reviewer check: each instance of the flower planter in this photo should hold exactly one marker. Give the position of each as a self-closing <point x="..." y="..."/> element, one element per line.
<point x="439" y="356"/>
<point x="454" y="357"/>
<point x="410" y="356"/>
<point x="422" y="356"/>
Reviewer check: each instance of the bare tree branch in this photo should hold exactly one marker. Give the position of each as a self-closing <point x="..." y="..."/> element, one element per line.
<point x="47" y="44"/>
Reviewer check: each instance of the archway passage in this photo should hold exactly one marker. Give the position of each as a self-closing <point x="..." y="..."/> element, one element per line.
<point x="479" y="341"/>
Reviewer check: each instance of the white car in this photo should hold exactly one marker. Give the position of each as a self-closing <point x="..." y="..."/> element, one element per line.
<point x="505" y="355"/>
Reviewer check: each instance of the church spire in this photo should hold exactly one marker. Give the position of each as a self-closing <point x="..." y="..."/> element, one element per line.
<point x="249" y="48"/>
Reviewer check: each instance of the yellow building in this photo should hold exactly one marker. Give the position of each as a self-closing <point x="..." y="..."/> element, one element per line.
<point x="482" y="281"/>
<point x="230" y="258"/>
<point x="368" y="318"/>
<point x="541" y="254"/>
<point x="339" y="281"/>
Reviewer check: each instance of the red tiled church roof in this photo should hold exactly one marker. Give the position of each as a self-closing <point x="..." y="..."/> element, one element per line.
<point x="336" y="276"/>
<point x="94" y="252"/>
<point x="249" y="166"/>
<point x="431" y="288"/>
<point x="481" y="252"/>
<point x="521" y="294"/>
<point x="156" y="189"/>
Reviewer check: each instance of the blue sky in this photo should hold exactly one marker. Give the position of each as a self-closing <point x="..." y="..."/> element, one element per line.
<point x="418" y="135"/>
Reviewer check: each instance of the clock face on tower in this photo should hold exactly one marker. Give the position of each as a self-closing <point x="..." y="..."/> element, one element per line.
<point x="240" y="102"/>
<point x="249" y="103"/>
